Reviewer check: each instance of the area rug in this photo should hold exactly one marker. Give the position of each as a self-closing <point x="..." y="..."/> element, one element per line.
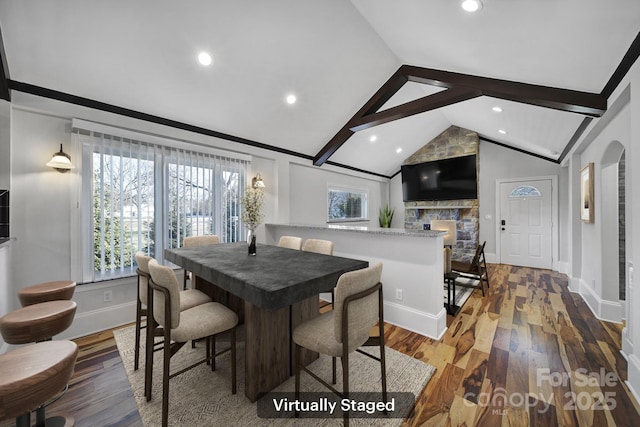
<point x="200" y="397"/>
<point x="462" y="292"/>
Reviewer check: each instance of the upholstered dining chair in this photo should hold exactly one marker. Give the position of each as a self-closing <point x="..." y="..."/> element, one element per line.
<point x="189" y="298"/>
<point x="318" y="246"/>
<point x="476" y="269"/>
<point x="193" y="241"/>
<point x="179" y="327"/>
<point x="337" y="333"/>
<point x="290" y="242"/>
<point x="321" y="247"/>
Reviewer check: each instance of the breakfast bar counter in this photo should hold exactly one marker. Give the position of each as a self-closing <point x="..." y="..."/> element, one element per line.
<point x="412" y="276"/>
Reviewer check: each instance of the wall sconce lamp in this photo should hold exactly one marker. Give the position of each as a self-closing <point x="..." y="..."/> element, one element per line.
<point x="257" y="181"/>
<point x="60" y="161"/>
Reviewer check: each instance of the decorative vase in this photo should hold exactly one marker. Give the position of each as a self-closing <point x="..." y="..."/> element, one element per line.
<point x="251" y="241"/>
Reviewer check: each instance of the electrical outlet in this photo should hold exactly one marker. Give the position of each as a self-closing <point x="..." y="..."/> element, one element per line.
<point x="399" y="294"/>
<point x="108" y="296"/>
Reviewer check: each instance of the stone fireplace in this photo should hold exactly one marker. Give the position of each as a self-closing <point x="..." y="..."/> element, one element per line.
<point x="453" y="142"/>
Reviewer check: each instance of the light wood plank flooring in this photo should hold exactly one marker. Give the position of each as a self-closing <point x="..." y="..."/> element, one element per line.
<point x="520" y="356"/>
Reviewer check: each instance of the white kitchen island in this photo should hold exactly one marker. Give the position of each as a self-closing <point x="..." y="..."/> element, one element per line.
<point x="412" y="275"/>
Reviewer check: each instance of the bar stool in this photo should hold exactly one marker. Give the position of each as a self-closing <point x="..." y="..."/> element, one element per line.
<point x="47" y="291"/>
<point x="32" y="375"/>
<point x="38" y="322"/>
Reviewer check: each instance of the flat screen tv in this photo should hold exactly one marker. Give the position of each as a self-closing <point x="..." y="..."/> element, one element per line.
<point x="446" y="179"/>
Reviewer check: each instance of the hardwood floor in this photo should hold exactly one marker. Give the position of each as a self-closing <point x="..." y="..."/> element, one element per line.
<point x="522" y="355"/>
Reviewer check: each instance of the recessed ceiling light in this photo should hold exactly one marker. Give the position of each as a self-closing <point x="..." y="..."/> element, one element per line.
<point x="398" y="150"/>
<point x="373" y="138"/>
<point x="291" y="99"/>
<point x="502" y="131"/>
<point x="497" y="109"/>
<point x="472" y="5"/>
<point x="204" y="58"/>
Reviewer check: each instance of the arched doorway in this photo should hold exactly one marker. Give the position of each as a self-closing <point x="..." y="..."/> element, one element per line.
<point x="612" y="187"/>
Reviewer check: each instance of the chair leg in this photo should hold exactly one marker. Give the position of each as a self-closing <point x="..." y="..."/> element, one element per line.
<point x="186" y="274"/>
<point x="345" y="384"/>
<point x="137" y="344"/>
<point x="165" y="377"/>
<point x="383" y="363"/>
<point x="296" y="359"/>
<point x="233" y="361"/>
<point x="208" y="357"/>
<point x="213" y="352"/>
<point x="148" y="361"/>
<point x="333" y="368"/>
<point x="24" y="420"/>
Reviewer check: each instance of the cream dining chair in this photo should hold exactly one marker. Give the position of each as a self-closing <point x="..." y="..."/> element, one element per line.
<point x="193" y="241"/>
<point x="290" y="242"/>
<point x="189" y="298"/>
<point x="337" y="333"/>
<point x="178" y="327"/>
<point x="320" y="247"/>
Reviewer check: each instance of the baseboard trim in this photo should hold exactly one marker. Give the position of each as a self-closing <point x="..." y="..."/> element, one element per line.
<point x="627" y="344"/>
<point x="491" y="258"/>
<point x="564" y="268"/>
<point x="93" y="321"/>
<point x="416" y="321"/>
<point x="609" y="311"/>
<point x="633" y="376"/>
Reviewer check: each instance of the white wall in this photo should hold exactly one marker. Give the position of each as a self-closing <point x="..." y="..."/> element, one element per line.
<point x="496" y="163"/>
<point x="620" y="124"/>
<point x="308" y="193"/>
<point x="42" y="205"/>
<point x="5" y="145"/>
<point x="602" y="297"/>
<point x="5" y="184"/>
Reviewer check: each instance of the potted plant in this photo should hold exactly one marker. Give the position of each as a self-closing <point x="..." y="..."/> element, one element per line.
<point x="386" y="216"/>
<point x="252" y="216"/>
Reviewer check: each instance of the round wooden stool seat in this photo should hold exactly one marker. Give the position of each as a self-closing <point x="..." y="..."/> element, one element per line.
<point x="32" y="375"/>
<point x="37" y="322"/>
<point x="48" y="291"/>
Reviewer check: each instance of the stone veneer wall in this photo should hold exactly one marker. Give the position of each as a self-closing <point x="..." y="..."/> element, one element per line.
<point x="453" y="142"/>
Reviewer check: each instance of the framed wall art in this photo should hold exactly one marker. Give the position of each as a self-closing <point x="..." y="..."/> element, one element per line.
<point x="586" y="193"/>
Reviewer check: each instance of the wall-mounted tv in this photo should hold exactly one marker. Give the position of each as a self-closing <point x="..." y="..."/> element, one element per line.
<point x="446" y="179"/>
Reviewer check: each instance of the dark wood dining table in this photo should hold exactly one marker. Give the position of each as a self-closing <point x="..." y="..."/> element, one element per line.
<point x="272" y="292"/>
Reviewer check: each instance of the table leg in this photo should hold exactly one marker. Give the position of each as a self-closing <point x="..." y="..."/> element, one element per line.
<point x="301" y="312"/>
<point x="267" y="356"/>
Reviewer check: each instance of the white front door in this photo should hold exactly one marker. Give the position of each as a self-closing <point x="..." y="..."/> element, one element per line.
<point x="525" y="223"/>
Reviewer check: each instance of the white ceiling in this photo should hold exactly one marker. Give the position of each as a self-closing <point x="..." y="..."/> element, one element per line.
<point x="333" y="54"/>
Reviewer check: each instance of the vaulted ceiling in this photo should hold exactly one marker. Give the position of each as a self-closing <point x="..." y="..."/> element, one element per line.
<point x="353" y="66"/>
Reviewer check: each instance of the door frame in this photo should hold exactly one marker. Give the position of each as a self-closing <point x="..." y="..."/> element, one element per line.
<point x="554" y="214"/>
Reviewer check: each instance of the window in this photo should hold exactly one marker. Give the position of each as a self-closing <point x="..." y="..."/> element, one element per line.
<point x="139" y="196"/>
<point x="346" y="205"/>
<point x="525" y="191"/>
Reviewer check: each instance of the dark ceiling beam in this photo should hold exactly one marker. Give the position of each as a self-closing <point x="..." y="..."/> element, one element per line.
<point x="5" y="92"/>
<point x="115" y="109"/>
<point x="590" y="104"/>
<point x="625" y="65"/>
<point x="391" y="86"/>
<point x="428" y="103"/>
<point x="576" y="136"/>
<point x="461" y="87"/>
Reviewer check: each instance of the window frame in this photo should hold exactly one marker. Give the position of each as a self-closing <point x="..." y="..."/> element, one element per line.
<point x="87" y="142"/>
<point x="362" y="191"/>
